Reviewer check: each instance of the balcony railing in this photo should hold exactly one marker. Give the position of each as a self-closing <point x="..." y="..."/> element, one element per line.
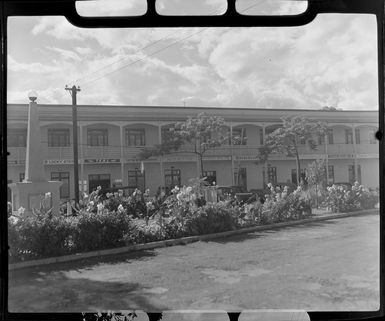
<point x="367" y="149"/>
<point x="101" y="152"/>
<point x="58" y="153"/>
<point x="18" y="154"/>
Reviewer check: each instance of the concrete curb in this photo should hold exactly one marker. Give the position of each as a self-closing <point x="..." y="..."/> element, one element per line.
<point x="181" y="241"/>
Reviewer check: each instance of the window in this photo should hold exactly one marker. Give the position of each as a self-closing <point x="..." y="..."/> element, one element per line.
<point x="136" y="179"/>
<point x="65" y="178"/>
<point x="261" y="136"/>
<point x="272" y="175"/>
<point x="240" y="178"/>
<point x="172" y="178"/>
<point x="351" y="173"/>
<point x="330" y="136"/>
<point x="321" y="140"/>
<point x="294" y="175"/>
<point x="95" y="180"/>
<point x="331" y="173"/>
<point x="21" y="177"/>
<point x="211" y="176"/>
<point x="17" y="137"/>
<point x="239" y="136"/>
<point x="357" y="134"/>
<point x="58" y="137"/>
<point x="348" y="136"/>
<point x="135" y="137"/>
<point x="97" y="137"/>
<point x="372" y="137"/>
<point x="165" y="132"/>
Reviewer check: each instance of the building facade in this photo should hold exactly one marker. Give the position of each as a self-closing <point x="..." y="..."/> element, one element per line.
<point x="111" y="137"/>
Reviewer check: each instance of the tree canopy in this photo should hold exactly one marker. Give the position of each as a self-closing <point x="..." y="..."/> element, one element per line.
<point x="294" y="132"/>
<point x="196" y="135"/>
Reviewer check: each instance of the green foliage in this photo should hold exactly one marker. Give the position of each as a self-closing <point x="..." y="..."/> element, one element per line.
<point x="211" y="218"/>
<point x="281" y="206"/>
<point x="96" y="231"/>
<point x="40" y="235"/>
<point x="316" y="178"/>
<point x="316" y="172"/>
<point x="181" y="214"/>
<point x="199" y="134"/>
<point x="287" y="138"/>
<point x="340" y="199"/>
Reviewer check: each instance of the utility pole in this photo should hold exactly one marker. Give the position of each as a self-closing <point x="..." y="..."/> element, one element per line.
<point x="73" y="91"/>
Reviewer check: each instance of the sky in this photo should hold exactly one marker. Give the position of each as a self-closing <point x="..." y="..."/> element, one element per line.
<point x="330" y="62"/>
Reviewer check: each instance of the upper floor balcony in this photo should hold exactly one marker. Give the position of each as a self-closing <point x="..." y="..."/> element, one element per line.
<point x="16" y="155"/>
<point x="92" y="152"/>
<point x="225" y="152"/>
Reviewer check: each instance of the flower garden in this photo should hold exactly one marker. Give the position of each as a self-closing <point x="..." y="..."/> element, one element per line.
<point x="115" y="220"/>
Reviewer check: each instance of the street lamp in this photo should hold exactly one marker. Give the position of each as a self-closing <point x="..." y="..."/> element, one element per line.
<point x="32" y="95"/>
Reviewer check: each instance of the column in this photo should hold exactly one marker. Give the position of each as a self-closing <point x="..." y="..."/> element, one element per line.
<point x="265" y="163"/>
<point x="81" y="158"/>
<point x="354" y="154"/>
<point x="232" y="155"/>
<point x="326" y="141"/>
<point x="122" y="143"/>
<point x="161" y="156"/>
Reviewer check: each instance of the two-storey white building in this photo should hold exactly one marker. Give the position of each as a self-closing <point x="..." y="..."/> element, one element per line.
<point x="110" y="138"/>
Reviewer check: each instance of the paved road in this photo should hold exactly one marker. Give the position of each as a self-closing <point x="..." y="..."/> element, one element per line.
<point x="329" y="265"/>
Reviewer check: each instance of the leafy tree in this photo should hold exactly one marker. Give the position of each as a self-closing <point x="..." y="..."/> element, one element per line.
<point x="316" y="175"/>
<point x="201" y="133"/>
<point x="294" y="132"/>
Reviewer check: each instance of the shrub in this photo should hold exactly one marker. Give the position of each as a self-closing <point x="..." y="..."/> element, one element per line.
<point x="211" y="218"/>
<point x="101" y="230"/>
<point x="40" y="235"/>
<point x="144" y="232"/>
<point x="281" y="206"/>
<point x="340" y="199"/>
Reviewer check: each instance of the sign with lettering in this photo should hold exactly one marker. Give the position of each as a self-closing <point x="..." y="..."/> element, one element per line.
<point x="217" y="158"/>
<point x="340" y="156"/>
<point x="16" y="162"/>
<point x="102" y="160"/>
<point x="367" y="155"/>
<point x="58" y="161"/>
<point x="247" y="157"/>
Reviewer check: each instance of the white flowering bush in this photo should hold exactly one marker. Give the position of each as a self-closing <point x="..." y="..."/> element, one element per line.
<point x="341" y="199"/>
<point x="279" y="206"/>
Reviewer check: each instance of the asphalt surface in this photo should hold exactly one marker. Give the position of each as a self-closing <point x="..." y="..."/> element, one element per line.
<point x="328" y="265"/>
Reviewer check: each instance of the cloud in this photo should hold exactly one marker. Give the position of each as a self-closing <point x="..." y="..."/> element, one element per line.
<point x="66" y="54"/>
<point x="83" y="50"/>
<point x="306" y="67"/>
<point x="331" y="61"/>
<point x="34" y="67"/>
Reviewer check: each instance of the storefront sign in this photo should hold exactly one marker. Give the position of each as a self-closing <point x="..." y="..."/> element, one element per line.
<point x="102" y="160"/>
<point x="58" y="161"/>
<point x="217" y="158"/>
<point x="367" y="156"/>
<point x="16" y="162"/>
<point x="247" y="157"/>
<point x="340" y="156"/>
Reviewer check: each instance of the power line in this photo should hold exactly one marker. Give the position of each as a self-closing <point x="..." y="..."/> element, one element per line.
<point x="139" y="50"/>
<point x="149" y="55"/>
<point x="125" y="58"/>
<point x="140" y="59"/>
